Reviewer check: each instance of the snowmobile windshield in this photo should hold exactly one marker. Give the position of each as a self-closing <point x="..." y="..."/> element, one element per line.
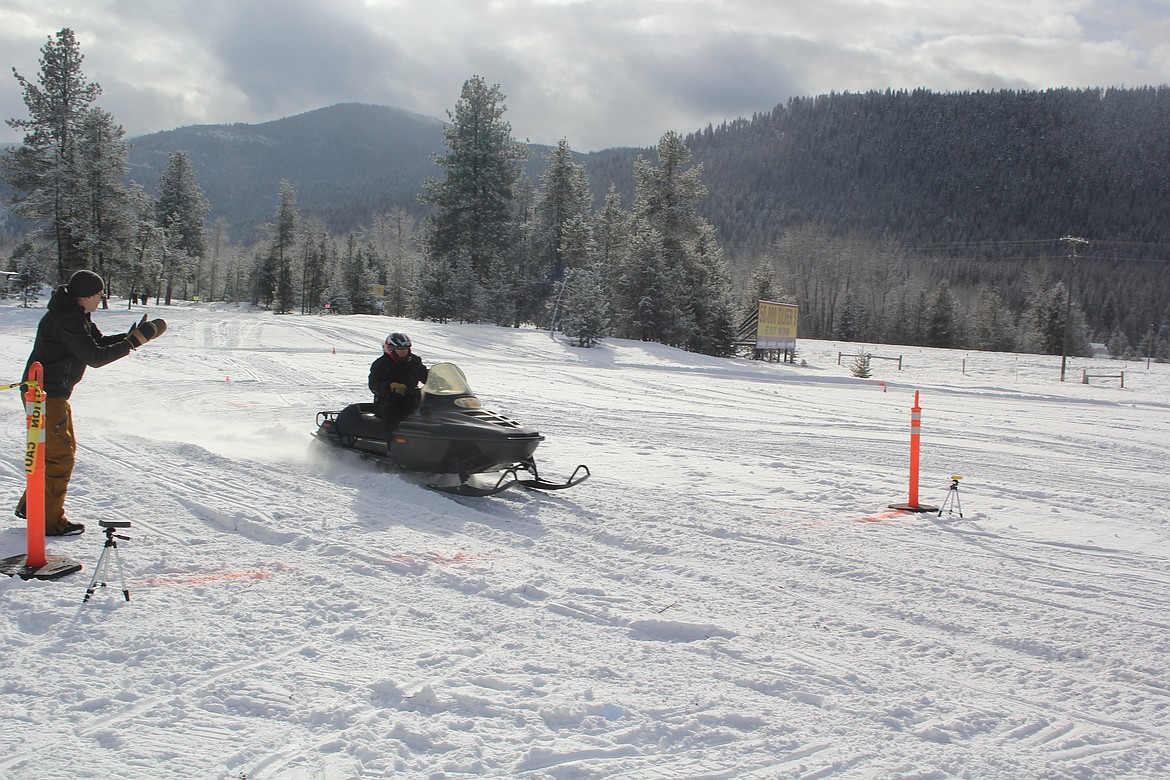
<point x="446" y="379"/>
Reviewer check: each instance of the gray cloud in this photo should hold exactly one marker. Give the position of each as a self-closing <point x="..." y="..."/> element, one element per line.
<point x="597" y="72"/>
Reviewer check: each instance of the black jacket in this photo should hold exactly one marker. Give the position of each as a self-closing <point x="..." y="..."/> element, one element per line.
<point x="384" y="372"/>
<point x="67" y="341"/>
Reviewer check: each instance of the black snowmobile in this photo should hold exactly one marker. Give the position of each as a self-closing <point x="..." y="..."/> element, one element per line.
<point x="449" y="433"/>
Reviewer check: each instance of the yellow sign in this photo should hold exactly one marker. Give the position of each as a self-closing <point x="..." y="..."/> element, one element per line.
<point x="378" y="290"/>
<point x="777" y="325"/>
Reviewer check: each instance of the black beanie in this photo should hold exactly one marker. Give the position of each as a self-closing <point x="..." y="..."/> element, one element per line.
<point x="84" y="284"/>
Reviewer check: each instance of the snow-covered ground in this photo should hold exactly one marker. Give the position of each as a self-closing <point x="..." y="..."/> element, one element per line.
<point x="727" y="597"/>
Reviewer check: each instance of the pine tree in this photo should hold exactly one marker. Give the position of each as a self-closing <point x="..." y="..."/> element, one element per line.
<point x="611" y="228"/>
<point x="264" y="270"/>
<point x="396" y="232"/>
<point x="353" y="281"/>
<point x="284" y="237"/>
<point x="860" y="368"/>
<point x="577" y="252"/>
<point x="107" y="210"/>
<point x="470" y="232"/>
<point x="44" y="170"/>
<point x="715" y="326"/>
<point x="992" y="324"/>
<point x="181" y="212"/>
<point x="314" y="265"/>
<point x="688" y="268"/>
<point x="1118" y="344"/>
<point x="586" y="308"/>
<point x="849" y="320"/>
<point x="941" y="318"/>
<point x="645" y="303"/>
<point x="1044" y="323"/>
<point x="564" y="198"/>
<point x="761" y="286"/>
<point x="29" y="272"/>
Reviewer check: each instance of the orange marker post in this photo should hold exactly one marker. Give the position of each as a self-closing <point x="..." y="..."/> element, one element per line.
<point x="34" y="466"/>
<point x="35" y="564"/>
<point x="915" y="444"/>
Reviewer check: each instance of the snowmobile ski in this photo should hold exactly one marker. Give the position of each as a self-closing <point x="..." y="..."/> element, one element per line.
<point x="539" y="483"/>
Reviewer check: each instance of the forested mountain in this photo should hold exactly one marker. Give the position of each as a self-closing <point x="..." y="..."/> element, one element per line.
<point x="347" y="163"/>
<point x="975" y="189"/>
<point x="946" y="169"/>
<point x="966" y="188"/>
<point x="928" y="168"/>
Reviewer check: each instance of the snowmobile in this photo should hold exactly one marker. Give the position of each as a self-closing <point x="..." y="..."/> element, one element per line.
<point x="448" y="433"/>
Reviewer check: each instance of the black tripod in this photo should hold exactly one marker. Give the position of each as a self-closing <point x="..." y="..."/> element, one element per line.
<point x="103" y="563"/>
<point x="952" y="499"/>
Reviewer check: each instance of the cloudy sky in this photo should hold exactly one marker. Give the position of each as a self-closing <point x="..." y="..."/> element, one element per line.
<point x="598" y="73"/>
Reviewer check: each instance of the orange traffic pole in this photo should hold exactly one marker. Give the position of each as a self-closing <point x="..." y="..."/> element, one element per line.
<point x="35" y="564"/>
<point x="912" y="504"/>
<point x="915" y="447"/>
<point x="34" y="466"/>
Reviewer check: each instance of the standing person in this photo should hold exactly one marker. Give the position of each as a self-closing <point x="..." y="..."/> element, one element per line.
<point x="67" y="341"/>
<point x="394" y="380"/>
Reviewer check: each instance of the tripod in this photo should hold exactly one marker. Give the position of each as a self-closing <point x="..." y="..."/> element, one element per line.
<point x="103" y="563"/>
<point x="952" y="501"/>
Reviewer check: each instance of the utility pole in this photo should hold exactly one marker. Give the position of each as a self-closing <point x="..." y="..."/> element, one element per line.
<point x="1073" y="242"/>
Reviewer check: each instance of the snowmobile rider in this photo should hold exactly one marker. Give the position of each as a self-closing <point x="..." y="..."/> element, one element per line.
<point x="394" y="380"/>
<point x="67" y="341"/>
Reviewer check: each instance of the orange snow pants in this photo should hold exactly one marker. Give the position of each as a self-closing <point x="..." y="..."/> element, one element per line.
<point x="60" y="452"/>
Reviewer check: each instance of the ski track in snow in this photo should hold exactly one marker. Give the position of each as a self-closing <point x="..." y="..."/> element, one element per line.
<point x="727" y="597"/>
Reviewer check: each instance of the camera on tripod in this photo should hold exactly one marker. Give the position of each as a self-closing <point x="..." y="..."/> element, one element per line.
<point x="952" y="503"/>
<point x="103" y="564"/>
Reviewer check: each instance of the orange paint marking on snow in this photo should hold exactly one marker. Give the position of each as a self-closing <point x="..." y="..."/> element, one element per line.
<point x="201" y="579"/>
<point x="879" y="517"/>
<point x="457" y="559"/>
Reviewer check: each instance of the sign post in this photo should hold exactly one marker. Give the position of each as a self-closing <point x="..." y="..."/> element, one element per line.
<point x="776" y="328"/>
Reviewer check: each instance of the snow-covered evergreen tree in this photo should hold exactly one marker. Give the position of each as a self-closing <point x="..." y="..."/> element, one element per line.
<point x="586" y="307"/>
<point x="181" y="212"/>
<point x="577" y="252"/>
<point x="397" y="243"/>
<point x="107" y="227"/>
<point x="761" y="286"/>
<point x="1043" y="325"/>
<point x="354" y="280"/>
<point x="611" y="228"/>
<point x="688" y="266"/>
<point x="1118" y="344"/>
<point x="992" y="325"/>
<point x="942" y="317"/>
<point x="646" y="302"/>
<point x="43" y="170"/>
<point x="849" y="325"/>
<point x="30" y="271"/>
<point x="714" y="313"/>
<point x="314" y="253"/>
<point x="280" y="250"/>
<point x="562" y="205"/>
<point x="470" y="232"/>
